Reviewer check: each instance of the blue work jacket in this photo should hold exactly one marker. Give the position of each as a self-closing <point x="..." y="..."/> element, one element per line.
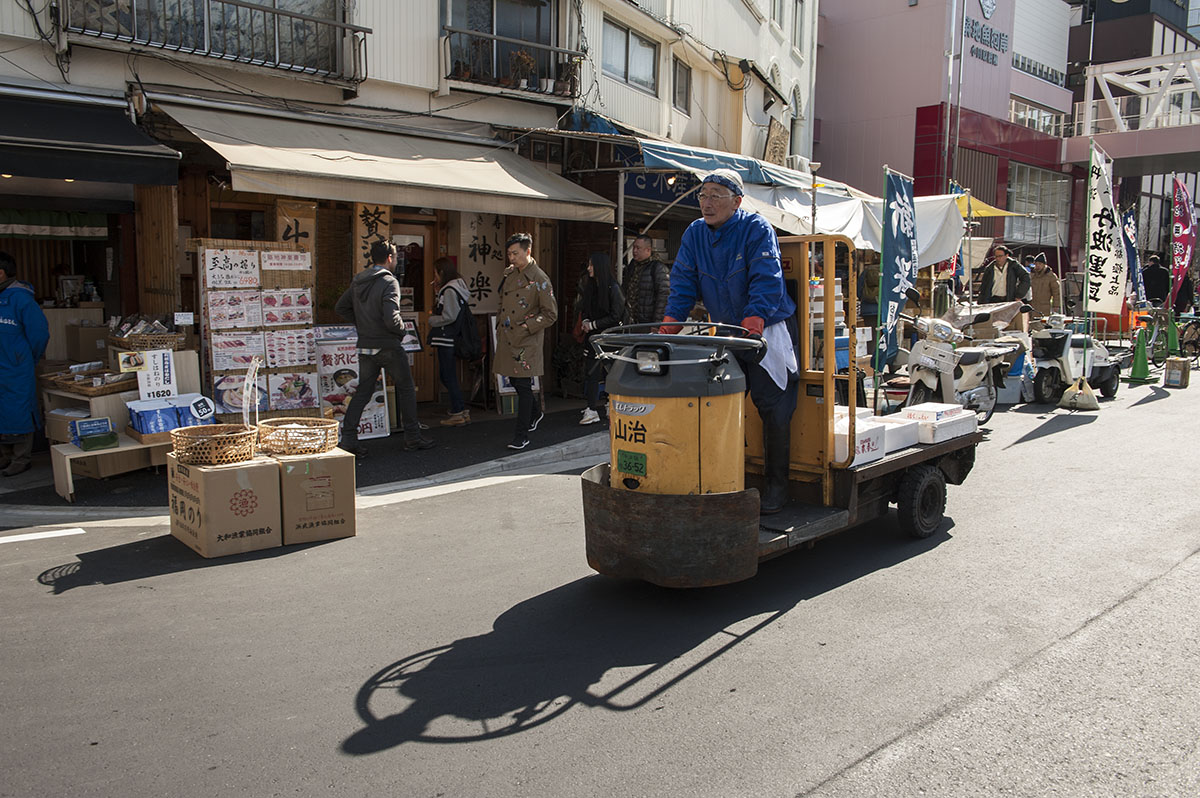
<point x="23" y="338"/>
<point x="734" y="270"/>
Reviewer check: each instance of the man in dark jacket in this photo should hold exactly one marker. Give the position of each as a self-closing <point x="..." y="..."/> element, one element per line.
<point x="1004" y="279"/>
<point x="372" y="303"/>
<point x="646" y="284"/>
<point x="1156" y="279"/>
<point x="23" y="337"/>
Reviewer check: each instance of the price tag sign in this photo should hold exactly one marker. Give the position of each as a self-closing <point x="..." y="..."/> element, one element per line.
<point x="185" y="319"/>
<point x="157" y="379"/>
<point x="202" y="408"/>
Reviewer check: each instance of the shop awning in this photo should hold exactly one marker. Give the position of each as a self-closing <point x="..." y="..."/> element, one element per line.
<point x="975" y="208"/>
<point x="81" y="141"/>
<point x="296" y="158"/>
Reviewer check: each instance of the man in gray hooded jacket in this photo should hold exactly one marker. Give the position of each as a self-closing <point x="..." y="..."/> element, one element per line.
<point x="372" y="303"/>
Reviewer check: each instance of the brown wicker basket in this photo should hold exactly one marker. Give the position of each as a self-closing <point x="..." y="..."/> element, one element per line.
<point x="144" y="342"/>
<point x="214" y="444"/>
<point x="297" y="435"/>
<point x="84" y="386"/>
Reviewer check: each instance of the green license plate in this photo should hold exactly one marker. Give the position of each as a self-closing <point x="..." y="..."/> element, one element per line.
<point x="631" y="463"/>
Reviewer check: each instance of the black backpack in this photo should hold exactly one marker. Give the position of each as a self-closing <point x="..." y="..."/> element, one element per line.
<point x="467" y="345"/>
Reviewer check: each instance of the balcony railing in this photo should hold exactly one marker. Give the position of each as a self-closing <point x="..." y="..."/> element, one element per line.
<point x="231" y="30"/>
<point x="485" y="58"/>
<point x="1178" y="107"/>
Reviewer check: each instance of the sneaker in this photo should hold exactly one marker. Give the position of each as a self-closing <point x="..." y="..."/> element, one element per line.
<point x="354" y="447"/>
<point x="537" y="419"/>
<point x="12" y="469"/>
<point x="418" y="443"/>
<point x="519" y="443"/>
<point x="590" y="416"/>
<point x="456" y="420"/>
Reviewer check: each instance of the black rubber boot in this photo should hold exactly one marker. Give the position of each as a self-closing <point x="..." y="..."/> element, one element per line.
<point x="777" y="448"/>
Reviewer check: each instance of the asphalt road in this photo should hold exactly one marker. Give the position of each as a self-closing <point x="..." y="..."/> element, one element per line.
<point x="1043" y="643"/>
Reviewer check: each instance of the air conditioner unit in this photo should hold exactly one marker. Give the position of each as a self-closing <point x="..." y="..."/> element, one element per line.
<point x="797" y="162"/>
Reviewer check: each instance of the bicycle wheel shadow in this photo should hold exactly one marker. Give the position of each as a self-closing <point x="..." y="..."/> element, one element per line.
<point x="599" y="642"/>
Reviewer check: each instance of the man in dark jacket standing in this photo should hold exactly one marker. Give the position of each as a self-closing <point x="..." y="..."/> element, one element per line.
<point x="646" y="284"/>
<point x="1156" y="279"/>
<point x="372" y="303"/>
<point x="23" y="338"/>
<point x="1004" y="280"/>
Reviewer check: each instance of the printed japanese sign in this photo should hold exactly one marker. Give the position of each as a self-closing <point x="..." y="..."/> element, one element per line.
<point x="1104" y="276"/>
<point x="296" y="223"/>
<point x="157" y="379"/>
<point x="292" y="391"/>
<point x="1183" y="236"/>
<point x="228" y="393"/>
<point x="411" y="342"/>
<point x="1129" y="238"/>
<point x="236" y="350"/>
<point x="286" y="348"/>
<point x="287" y="306"/>
<point x="229" y="309"/>
<point x="231" y="268"/>
<point x="287" y="261"/>
<point x="898" y="267"/>
<point x="482" y="259"/>
<point x="371" y="223"/>
<point x="337" y="365"/>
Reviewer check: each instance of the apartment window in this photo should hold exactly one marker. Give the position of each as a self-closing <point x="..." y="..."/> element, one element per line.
<point x="485" y="58"/>
<point x="630" y="57"/>
<point x="798" y="25"/>
<point x="681" y="95"/>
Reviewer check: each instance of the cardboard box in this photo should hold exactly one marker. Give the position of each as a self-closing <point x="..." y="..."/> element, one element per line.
<point x="947" y="428"/>
<point x="222" y="510"/>
<point x="318" y="496"/>
<point x="898" y="433"/>
<point x="1177" y="372"/>
<point x="868" y="441"/>
<point x="86" y="343"/>
<point x="932" y="411"/>
<point x="58" y="423"/>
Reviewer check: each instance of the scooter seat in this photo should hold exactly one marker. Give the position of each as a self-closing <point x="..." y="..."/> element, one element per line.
<point x="1145" y="318"/>
<point x="969" y="355"/>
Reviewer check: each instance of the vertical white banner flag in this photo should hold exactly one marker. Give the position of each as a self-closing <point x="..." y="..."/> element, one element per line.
<point x="1105" y="258"/>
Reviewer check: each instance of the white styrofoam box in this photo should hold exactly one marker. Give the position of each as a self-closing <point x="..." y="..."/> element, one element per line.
<point x="898" y="433"/>
<point x="819" y="288"/>
<point x="841" y="411"/>
<point x="932" y="411"/>
<point x="947" y="428"/>
<point x="868" y="441"/>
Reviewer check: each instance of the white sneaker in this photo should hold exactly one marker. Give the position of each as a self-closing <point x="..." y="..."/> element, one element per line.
<point x="589" y="417"/>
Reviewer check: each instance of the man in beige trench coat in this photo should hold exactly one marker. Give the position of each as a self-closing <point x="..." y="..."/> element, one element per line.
<point x="527" y="308"/>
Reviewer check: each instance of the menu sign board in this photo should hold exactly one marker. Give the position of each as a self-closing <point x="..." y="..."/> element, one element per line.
<point x="231" y="268"/>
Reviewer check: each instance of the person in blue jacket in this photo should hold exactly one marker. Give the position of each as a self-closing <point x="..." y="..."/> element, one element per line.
<point x="23" y="338"/>
<point x="729" y="260"/>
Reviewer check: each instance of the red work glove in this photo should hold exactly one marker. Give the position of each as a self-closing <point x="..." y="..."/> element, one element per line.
<point x="670" y="326"/>
<point x="753" y="324"/>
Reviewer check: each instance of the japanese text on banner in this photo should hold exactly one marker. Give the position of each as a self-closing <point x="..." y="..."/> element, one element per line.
<point x="899" y="265"/>
<point x="1105" y="272"/>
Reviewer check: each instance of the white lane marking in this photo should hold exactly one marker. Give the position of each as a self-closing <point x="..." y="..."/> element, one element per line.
<point x="53" y="533"/>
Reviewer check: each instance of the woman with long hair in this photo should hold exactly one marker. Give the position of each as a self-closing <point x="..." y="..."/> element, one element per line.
<point x="601" y="305"/>
<point x="452" y="301"/>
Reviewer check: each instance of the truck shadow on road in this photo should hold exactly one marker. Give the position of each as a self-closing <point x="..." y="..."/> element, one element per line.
<point x="601" y="643"/>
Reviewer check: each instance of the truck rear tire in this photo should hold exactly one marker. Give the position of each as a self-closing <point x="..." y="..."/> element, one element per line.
<point x="921" y="500"/>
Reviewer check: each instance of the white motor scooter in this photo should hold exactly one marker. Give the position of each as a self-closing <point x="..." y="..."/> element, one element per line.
<point x="939" y="370"/>
<point x="1061" y="356"/>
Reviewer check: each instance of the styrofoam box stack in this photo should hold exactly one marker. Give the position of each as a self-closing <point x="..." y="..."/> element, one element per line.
<point x="931" y="411"/>
<point x="898" y="433"/>
<point x="868" y="440"/>
<point x="841" y="411"/>
<point x="947" y="428"/>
